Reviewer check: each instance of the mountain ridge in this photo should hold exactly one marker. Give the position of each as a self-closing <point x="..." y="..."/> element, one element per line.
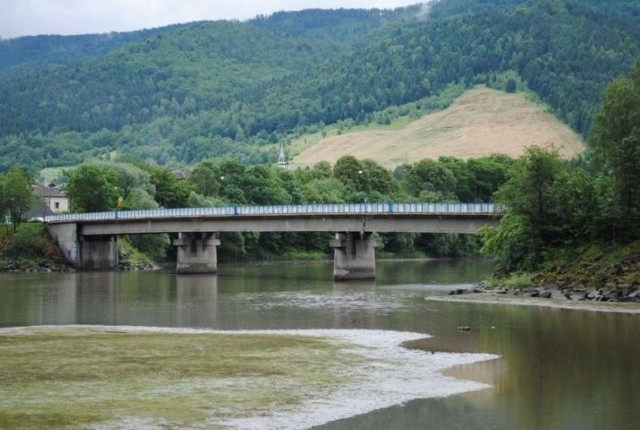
<point x="215" y="89"/>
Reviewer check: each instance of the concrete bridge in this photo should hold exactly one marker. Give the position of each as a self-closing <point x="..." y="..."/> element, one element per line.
<point x="89" y="240"/>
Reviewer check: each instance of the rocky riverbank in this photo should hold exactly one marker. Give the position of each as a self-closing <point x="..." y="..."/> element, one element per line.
<point x="549" y="296"/>
<point x="125" y="266"/>
<point x="595" y="278"/>
<point x="46" y="267"/>
<point x="50" y="267"/>
<point x="608" y="294"/>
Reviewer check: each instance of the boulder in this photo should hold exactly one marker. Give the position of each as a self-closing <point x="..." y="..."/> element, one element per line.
<point x="545" y="294"/>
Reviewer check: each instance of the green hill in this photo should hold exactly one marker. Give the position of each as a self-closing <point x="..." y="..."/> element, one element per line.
<point x="185" y="93"/>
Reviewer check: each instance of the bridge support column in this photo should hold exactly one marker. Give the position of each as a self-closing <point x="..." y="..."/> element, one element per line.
<point x="354" y="256"/>
<point x="196" y="253"/>
<point x="98" y="252"/>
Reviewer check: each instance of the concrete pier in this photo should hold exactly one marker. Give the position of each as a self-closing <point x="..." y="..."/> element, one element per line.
<point x="196" y="253"/>
<point x="98" y="252"/>
<point x="354" y="256"/>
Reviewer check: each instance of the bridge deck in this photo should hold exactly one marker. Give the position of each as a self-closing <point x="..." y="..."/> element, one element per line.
<point x="372" y="217"/>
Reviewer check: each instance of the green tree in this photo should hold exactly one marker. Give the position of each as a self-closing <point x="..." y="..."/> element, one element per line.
<point x="207" y="178"/>
<point x="488" y="174"/>
<point x="170" y="191"/>
<point x="429" y="180"/>
<point x="348" y="170"/>
<point x="4" y="207"/>
<point x="616" y="145"/>
<point x="92" y="188"/>
<point x="532" y="222"/>
<point x="377" y="179"/>
<point x="18" y="194"/>
<point x="263" y="186"/>
<point x="328" y="190"/>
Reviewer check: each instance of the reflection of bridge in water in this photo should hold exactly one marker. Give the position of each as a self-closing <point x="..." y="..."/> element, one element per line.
<point x="90" y="240"/>
<point x="156" y="299"/>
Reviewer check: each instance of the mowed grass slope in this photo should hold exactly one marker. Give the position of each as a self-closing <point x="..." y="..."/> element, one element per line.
<point x="481" y="122"/>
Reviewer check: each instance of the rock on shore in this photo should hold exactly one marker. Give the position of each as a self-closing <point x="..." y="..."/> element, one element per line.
<point x="624" y="295"/>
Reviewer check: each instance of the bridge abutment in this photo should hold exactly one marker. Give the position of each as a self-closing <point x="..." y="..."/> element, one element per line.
<point x="197" y="253"/>
<point x="66" y="236"/>
<point x="354" y="256"/>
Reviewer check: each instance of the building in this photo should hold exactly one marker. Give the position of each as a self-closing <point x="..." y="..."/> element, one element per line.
<point x="282" y="157"/>
<point x="53" y="197"/>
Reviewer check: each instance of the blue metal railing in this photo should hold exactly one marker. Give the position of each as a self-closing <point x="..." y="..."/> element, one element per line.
<point x="310" y="209"/>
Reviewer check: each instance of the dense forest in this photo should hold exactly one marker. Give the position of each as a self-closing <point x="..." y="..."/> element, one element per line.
<point x="183" y="94"/>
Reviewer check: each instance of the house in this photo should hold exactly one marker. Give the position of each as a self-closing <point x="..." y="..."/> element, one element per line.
<point x="52" y="197"/>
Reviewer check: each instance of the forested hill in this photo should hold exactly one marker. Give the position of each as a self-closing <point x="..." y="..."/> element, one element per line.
<point x="181" y="94"/>
<point x="25" y="54"/>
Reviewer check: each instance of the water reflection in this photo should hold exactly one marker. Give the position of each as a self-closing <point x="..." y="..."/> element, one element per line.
<point x="197" y="301"/>
<point x="355" y="304"/>
<point x="451" y="413"/>
<point x="568" y="369"/>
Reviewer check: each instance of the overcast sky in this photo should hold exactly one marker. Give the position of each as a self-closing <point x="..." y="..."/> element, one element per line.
<point x="32" y="17"/>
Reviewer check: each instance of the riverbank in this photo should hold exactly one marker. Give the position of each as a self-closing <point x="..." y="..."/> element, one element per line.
<point x="30" y="249"/>
<point x="595" y="278"/>
<point x="555" y="299"/>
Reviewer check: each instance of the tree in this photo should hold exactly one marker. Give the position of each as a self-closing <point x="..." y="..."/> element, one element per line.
<point x="263" y="186"/>
<point x="488" y="174"/>
<point x="171" y="192"/>
<point x="616" y="146"/>
<point x="207" y="178"/>
<point x="377" y="178"/>
<point x="348" y="170"/>
<point x="329" y="190"/>
<point x="532" y="221"/>
<point x="429" y="180"/>
<point x="4" y="206"/>
<point x="92" y="188"/>
<point x="18" y="194"/>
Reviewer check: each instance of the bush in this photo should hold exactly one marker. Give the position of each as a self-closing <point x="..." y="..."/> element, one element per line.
<point x="29" y="244"/>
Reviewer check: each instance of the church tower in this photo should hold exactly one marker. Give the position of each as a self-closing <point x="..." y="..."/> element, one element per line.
<point x="282" y="157"/>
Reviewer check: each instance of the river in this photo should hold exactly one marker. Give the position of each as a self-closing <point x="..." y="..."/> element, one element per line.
<point x="558" y="369"/>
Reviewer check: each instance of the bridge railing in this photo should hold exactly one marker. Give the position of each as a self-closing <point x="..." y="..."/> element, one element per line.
<point x="309" y="209"/>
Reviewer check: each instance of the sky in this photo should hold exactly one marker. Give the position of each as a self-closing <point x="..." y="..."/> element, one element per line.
<point x="33" y="17"/>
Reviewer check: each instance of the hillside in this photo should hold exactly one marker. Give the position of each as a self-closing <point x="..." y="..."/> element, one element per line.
<point x="481" y="122"/>
<point x="26" y="54"/>
<point x="182" y="94"/>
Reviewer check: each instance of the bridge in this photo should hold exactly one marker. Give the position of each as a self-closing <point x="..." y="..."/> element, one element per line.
<point x="89" y="240"/>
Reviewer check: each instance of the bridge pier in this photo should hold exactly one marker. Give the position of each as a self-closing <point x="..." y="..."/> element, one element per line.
<point x="98" y="252"/>
<point x="196" y="253"/>
<point x="354" y="256"/>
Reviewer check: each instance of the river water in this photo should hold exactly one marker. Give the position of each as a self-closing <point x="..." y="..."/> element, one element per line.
<point x="558" y="369"/>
